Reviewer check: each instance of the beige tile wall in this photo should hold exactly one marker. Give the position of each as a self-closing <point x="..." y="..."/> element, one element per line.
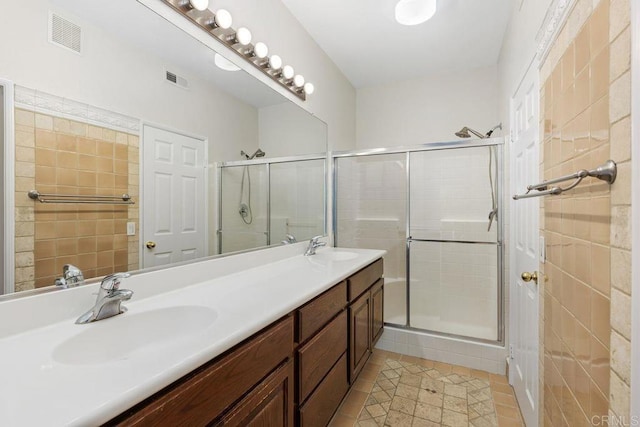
<point x="585" y="106"/>
<point x="55" y="155"/>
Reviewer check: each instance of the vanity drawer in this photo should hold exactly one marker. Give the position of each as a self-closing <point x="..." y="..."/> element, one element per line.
<point x="203" y="395"/>
<point x="322" y="404"/>
<point x="317" y="357"/>
<point x="318" y="312"/>
<point x="363" y="279"/>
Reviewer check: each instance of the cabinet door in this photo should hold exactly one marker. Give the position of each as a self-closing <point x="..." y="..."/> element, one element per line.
<point x="377" y="311"/>
<point x="206" y="393"/>
<point x="270" y="404"/>
<point x="359" y="334"/>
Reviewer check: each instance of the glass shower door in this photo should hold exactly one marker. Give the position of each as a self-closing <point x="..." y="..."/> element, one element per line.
<point x="453" y="266"/>
<point x="297" y="191"/>
<point x="243" y="201"/>
<point x="371" y="213"/>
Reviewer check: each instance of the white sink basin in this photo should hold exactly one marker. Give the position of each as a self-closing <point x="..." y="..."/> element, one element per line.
<point x="335" y="256"/>
<point x="121" y="336"/>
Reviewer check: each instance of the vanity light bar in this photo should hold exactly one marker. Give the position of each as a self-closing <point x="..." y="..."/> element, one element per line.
<point x="218" y="25"/>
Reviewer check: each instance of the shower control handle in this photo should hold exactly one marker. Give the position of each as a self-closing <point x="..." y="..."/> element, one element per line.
<point x="527" y="277"/>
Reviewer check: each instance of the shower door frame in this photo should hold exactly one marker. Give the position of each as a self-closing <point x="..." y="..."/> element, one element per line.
<point x="267" y="162"/>
<point x="498" y="144"/>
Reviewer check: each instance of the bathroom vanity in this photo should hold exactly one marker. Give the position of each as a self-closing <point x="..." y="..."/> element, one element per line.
<point x="279" y="343"/>
<point x="294" y="372"/>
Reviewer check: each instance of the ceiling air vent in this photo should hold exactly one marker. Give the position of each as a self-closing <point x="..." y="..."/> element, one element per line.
<point x="65" y="33"/>
<point x="177" y="80"/>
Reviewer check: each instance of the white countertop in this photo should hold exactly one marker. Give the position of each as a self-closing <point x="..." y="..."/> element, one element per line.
<point x="40" y="387"/>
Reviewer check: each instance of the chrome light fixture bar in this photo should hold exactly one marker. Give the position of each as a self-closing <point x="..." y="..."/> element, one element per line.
<point x="218" y="25"/>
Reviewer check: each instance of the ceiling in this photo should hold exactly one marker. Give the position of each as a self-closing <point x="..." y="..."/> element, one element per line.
<point x="371" y="48"/>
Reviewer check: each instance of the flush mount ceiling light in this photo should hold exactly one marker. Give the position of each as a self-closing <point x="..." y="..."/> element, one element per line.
<point x="218" y="26"/>
<point x="224" y="64"/>
<point x="414" y="12"/>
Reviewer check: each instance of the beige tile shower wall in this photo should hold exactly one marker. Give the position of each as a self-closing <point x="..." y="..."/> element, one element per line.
<point x="585" y="322"/>
<point x="55" y="155"/>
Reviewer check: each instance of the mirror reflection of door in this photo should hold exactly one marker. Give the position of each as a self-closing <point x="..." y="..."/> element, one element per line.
<point x="174" y="209"/>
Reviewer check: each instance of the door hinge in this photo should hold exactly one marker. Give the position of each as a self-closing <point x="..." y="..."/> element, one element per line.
<point x="511" y="354"/>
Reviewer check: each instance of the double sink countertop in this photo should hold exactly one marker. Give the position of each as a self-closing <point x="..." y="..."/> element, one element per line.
<point x="57" y="373"/>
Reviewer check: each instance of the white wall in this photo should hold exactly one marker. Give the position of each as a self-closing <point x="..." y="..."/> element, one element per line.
<point x="286" y="130"/>
<point x="428" y="109"/>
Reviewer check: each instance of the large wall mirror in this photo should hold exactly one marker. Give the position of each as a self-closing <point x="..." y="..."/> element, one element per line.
<point x="111" y="99"/>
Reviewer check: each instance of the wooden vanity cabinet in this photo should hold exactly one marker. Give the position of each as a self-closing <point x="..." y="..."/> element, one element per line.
<point x="204" y="395"/>
<point x="366" y="291"/>
<point x="294" y="372"/>
<point x="377" y="311"/>
<point x="269" y="404"/>
<point x="322" y="356"/>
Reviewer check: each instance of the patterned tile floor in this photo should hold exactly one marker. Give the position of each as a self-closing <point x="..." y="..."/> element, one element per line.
<point x="396" y="390"/>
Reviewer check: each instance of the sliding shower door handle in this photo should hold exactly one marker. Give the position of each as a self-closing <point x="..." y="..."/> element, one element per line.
<point x="527" y="277"/>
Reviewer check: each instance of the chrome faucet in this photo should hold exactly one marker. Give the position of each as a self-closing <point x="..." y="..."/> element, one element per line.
<point x="71" y="276"/>
<point x="289" y="239"/>
<point x="110" y="297"/>
<point x="313" y="245"/>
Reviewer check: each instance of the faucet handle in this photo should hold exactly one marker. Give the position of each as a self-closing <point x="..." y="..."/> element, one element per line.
<point x="112" y="281"/>
<point x="71" y="276"/>
<point x="315" y="239"/>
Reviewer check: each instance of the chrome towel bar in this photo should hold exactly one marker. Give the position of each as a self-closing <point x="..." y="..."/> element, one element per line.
<point x="123" y="199"/>
<point x="606" y="172"/>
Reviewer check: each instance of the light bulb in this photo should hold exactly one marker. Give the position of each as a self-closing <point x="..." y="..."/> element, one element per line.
<point x="275" y="62"/>
<point x="309" y="88"/>
<point x="224" y="64"/>
<point x="199" y="4"/>
<point x="261" y="50"/>
<point x="287" y="72"/>
<point x="223" y="19"/>
<point x="298" y="80"/>
<point x="414" y="12"/>
<point x="243" y="36"/>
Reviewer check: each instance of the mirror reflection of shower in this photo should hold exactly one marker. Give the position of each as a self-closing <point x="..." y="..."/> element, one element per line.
<point x="466" y="132"/>
<point x="245" y="202"/>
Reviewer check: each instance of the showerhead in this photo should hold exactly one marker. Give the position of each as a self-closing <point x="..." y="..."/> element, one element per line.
<point x="463" y="133"/>
<point x="466" y="132"/>
<point x="258" y="153"/>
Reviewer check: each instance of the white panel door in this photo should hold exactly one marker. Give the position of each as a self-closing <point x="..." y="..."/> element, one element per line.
<point x="174" y="197"/>
<point x="524" y="341"/>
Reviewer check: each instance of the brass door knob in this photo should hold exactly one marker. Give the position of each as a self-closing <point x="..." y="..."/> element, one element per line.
<point x="150" y="244"/>
<point x="527" y="277"/>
